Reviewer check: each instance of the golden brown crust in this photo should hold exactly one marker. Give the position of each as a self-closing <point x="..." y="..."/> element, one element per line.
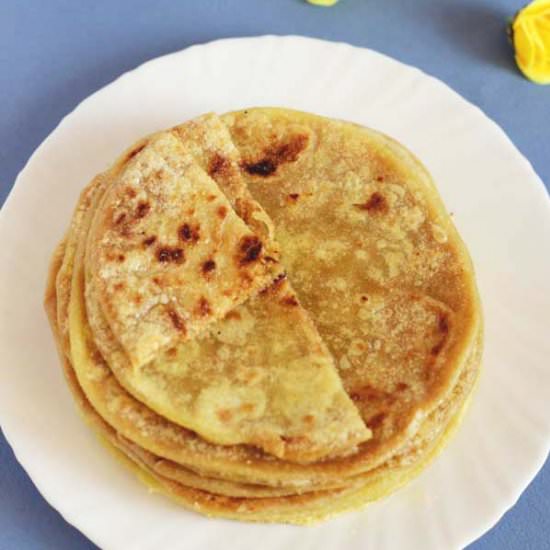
<point x="374" y="266"/>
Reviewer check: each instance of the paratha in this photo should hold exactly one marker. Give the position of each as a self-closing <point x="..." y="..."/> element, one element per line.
<point x="267" y="504"/>
<point x="366" y="270"/>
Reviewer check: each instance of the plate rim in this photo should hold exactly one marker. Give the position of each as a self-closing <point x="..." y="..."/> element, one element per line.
<point x="53" y="500"/>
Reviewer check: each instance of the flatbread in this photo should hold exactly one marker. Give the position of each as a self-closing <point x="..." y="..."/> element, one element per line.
<point x="260" y="376"/>
<point x="259" y="504"/>
<point x="367" y="265"/>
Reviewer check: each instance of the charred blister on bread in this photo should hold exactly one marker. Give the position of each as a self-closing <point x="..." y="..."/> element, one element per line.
<point x="376" y="203"/>
<point x="189" y="233"/>
<point x="218" y="166"/>
<point x="250" y="249"/>
<point x="208" y="267"/>
<point x="170" y="254"/>
<point x="277" y="154"/>
<point x="175" y="318"/>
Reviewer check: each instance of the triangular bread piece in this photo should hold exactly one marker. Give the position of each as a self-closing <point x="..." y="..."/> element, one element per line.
<point x="168" y="254"/>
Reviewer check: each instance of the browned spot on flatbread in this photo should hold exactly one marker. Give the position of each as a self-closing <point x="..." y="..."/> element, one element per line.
<point x="289" y="300"/>
<point x="208" y="267"/>
<point x="264" y="167"/>
<point x="203" y="308"/>
<point x="233" y="315"/>
<point x="97" y="358"/>
<point x="159" y="174"/>
<point x="437" y="348"/>
<point x="122" y="225"/>
<point x="135" y="151"/>
<point x="376" y="421"/>
<point x="294" y="440"/>
<point x="275" y="284"/>
<point x="309" y="419"/>
<point x="142" y="209"/>
<point x="120" y="219"/>
<point x="177" y="321"/>
<point x="218" y="166"/>
<point x="222" y="212"/>
<point x="368" y="393"/>
<point x="289" y="151"/>
<point x="149" y="241"/>
<point x="245" y="210"/>
<point x="250" y="249"/>
<point x="224" y="415"/>
<point x="293" y="197"/>
<point x="131" y="192"/>
<point x="376" y="203"/>
<point x="276" y="155"/>
<point x="171" y="353"/>
<point x="168" y="254"/>
<point x="443" y="329"/>
<point x="443" y="323"/>
<point x="189" y="233"/>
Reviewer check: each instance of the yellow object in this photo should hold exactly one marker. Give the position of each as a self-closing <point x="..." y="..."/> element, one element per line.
<point x="322" y="2"/>
<point x="531" y="38"/>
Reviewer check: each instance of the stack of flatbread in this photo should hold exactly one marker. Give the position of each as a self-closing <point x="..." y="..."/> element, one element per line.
<point x="269" y="314"/>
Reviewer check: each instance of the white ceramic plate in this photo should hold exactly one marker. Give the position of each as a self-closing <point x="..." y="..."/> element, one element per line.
<point x="499" y="205"/>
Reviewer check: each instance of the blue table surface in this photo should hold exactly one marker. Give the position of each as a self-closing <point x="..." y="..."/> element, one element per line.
<point x="54" y="54"/>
